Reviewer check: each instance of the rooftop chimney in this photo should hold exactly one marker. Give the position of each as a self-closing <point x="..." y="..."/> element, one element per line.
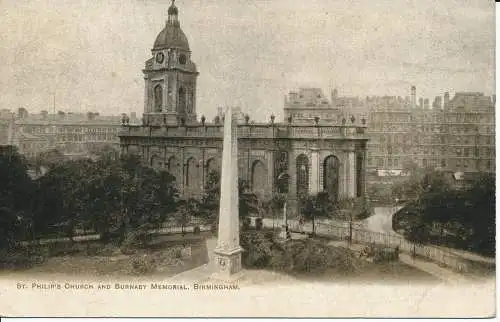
<point x="437" y="103"/>
<point x="446" y="100"/>
<point x="413" y="97"/>
<point x="426" y="103"/>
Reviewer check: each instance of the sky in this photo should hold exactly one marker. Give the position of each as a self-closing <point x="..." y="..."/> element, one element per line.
<point x="89" y="54"/>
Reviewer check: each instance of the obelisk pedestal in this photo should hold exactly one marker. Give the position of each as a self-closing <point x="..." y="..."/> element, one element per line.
<point x="228" y="250"/>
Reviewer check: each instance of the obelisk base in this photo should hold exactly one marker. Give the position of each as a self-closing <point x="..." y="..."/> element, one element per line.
<point x="228" y="264"/>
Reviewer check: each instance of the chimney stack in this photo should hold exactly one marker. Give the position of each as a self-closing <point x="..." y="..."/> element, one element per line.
<point x="446" y="100"/>
<point x="426" y="103"/>
<point x="437" y="103"/>
<point x="421" y="102"/>
<point x="413" y="97"/>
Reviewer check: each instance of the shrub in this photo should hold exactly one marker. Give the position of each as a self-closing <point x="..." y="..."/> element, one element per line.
<point x="246" y="223"/>
<point x="295" y="256"/>
<point x="381" y="253"/>
<point x="142" y="264"/>
<point x="134" y="240"/>
<point x="259" y="223"/>
<point x="257" y="249"/>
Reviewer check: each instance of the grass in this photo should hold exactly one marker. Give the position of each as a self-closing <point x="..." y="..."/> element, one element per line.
<point x="165" y="256"/>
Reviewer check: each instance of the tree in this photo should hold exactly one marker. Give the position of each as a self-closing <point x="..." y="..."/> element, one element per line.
<point x="51" y="158"/>
<point x="106" y="152"/>
<point x="274" y="205"/>
<point x="314" y="206"/>
<point x="248" y="202"/>
<point x="186" y="209"/>
<point x="209" y="205"/>
<point x="108" y="196"/>
<point x="63" y="201"/>
<point x="17" y="192"/>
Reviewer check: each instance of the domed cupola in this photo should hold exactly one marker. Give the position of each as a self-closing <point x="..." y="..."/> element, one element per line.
<point x="170" y="77"/>
<point x="172" y="35"/>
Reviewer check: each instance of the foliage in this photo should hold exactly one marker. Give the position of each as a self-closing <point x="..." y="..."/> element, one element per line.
<point x="248" y="202"/>
<point x="51" y="158"/>
<point x="186" y="209"/>
<point x="464" y="218"/>
<point x="209" y="205"/>
<point x="258" y="249"/>
<point x="273" y="206"/>
<point x="143" y="264"/>
<point x="421" y="182"/>
<point x="380" y="253"/>
<point x="314" y="206"/>
<point x="17" y="192"/>
<point x="109" y="196"/>
<point x="295" y="256"/>
<point x="106" y="152"/>
<point x="353" y="209"/>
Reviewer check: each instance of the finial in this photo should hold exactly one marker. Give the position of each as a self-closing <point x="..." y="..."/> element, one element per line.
<point x="172" y="10"/>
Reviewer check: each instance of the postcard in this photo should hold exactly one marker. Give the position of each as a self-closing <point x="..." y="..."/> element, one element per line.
<point x="331" y="159"/>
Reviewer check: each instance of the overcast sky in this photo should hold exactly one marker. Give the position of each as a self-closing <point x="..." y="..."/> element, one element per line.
<point x="249" y="53"/>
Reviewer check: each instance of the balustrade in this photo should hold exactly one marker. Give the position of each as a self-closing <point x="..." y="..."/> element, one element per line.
<point x="245" y="131"/>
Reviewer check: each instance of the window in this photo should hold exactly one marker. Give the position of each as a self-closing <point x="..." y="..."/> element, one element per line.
<point x="158" y="98"/>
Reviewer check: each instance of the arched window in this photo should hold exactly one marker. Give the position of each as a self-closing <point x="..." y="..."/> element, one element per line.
<point x="191" y="101"/>
<point x="173" y="167"/>
<point x="158" y="93"/>
<point x="302" y="175"/>
<point x="259" y="178"/>
<point x="182" y="100"/>
<point x="191" y="173"/>
<point x="211" y="168"/>
<point x="282" y="183"/>
<point x="359" y="175"/>
<point x="331" y="167"/>
<point x="156" y="162"/>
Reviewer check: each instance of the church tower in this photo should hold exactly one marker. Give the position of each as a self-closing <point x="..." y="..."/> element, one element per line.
<point x="170" y="77"/>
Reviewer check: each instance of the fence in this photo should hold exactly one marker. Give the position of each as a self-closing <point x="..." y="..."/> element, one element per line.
<point x="91" y="235"/>
<point x="428" y="252"/>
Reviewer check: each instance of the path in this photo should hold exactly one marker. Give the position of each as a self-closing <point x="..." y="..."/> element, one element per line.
<point x="433" y="269"/>
<point x="381" y="220"/>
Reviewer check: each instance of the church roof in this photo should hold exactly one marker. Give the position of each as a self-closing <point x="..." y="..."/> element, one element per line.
<point x="171" y="36"/>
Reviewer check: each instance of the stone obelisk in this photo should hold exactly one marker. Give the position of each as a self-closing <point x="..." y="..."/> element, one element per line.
<point x="228" y="249"/>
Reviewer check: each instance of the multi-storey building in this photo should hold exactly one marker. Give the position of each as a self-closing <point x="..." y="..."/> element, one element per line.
<point x="288" y="158"/>
<point x="73" y="134"/>
<point x="455" y="135"/>
<point x="458" y="136"/>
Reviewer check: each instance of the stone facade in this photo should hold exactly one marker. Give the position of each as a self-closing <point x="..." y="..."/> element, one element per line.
<point x="285" y="158"/>
<point x="74" y="134"/>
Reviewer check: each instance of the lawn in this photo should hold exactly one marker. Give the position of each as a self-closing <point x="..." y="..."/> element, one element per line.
<point x="165" y="256"/>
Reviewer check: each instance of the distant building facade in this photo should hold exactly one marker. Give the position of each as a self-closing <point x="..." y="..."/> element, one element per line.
<point x="74" y="134"/>
<point x="455" y="135"/>
<point x="275" y="157"/>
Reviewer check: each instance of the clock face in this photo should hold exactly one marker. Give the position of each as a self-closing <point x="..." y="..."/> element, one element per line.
<point x="159" y="58"/>
<point x="182" y="59"/>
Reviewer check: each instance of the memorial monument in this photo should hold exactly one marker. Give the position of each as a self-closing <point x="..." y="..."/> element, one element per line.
<point x="228" y="250"/>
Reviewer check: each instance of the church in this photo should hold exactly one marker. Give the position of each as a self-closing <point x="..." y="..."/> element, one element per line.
<point x="290" y="158"/>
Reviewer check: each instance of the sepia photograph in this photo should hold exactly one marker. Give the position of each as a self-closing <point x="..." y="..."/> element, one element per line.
<point x="203" y="158"/>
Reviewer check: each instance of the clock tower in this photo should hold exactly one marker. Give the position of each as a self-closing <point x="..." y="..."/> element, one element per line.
<point x="170" y="77"/>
